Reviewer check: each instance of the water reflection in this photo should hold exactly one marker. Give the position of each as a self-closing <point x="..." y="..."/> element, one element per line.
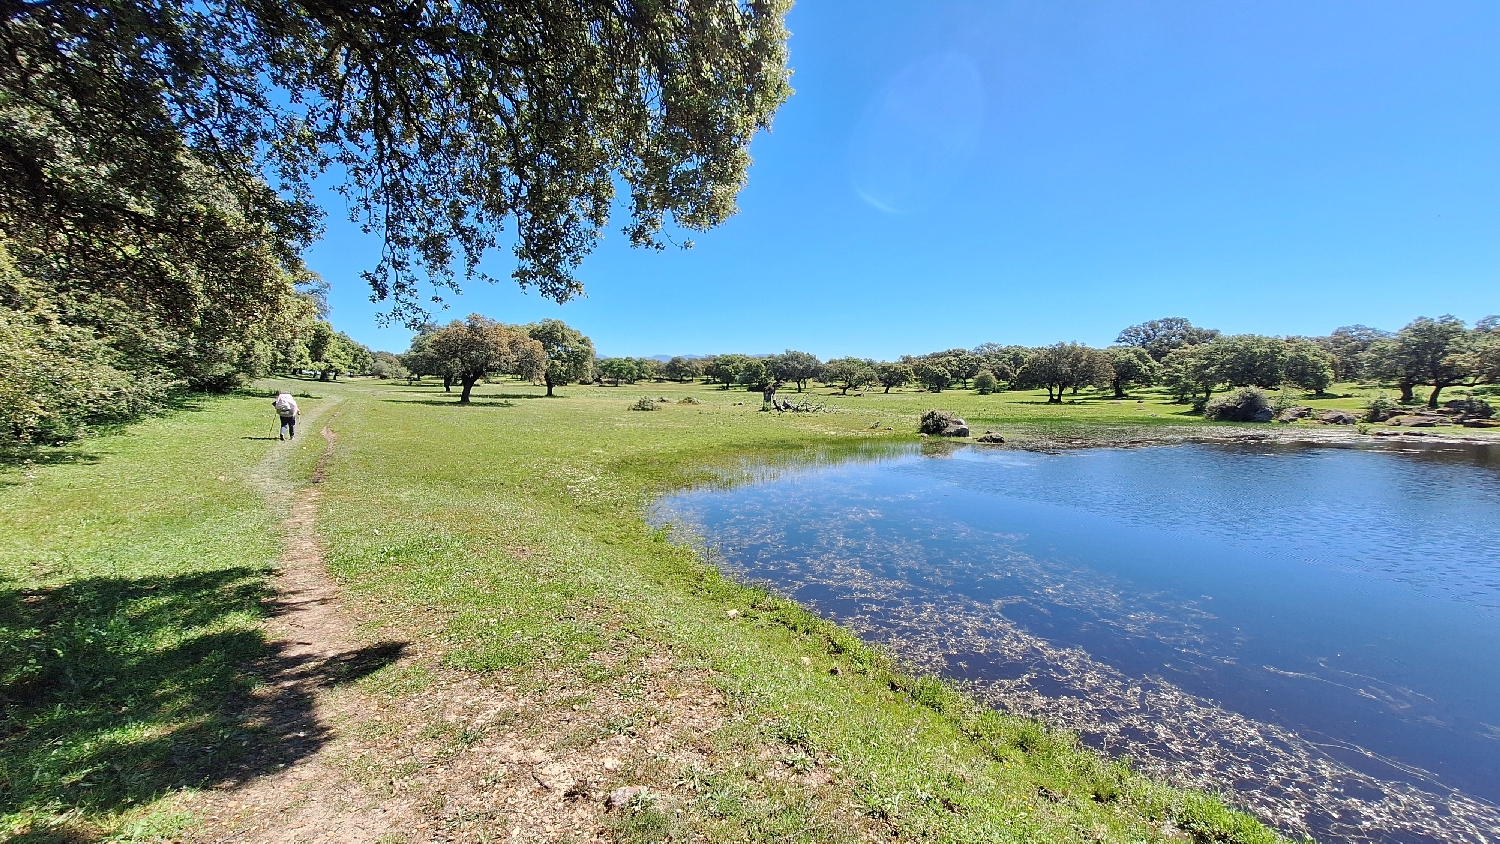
<point x="1313" y="628"/>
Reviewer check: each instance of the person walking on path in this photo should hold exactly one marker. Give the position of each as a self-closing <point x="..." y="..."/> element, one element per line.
<point x="286" y="408"/>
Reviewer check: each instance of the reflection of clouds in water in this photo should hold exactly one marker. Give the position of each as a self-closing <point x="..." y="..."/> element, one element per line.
<point x="892" y="590"/>
<point x="918" y="134"/>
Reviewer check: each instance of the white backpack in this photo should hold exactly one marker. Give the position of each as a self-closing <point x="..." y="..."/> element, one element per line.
<point x="284" y="404"/>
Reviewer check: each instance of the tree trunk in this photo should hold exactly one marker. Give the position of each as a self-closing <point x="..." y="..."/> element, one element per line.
<point x="1405" y="392"/>
<point x="888" y="389"/>
<point x="447" y="383"/>
<point x="549" y="386"/>
<point x="1119" y="388"/>
<point x="1432" y="399"/>
<point x="468" y="385"/>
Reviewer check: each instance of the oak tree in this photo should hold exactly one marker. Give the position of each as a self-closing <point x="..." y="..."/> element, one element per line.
<point x="1160" y="336"/>
<point x="796" y="367"/>
<point x="570" y="355"/>
<point x="847" y="373"/>
<point x="479" y="347"/>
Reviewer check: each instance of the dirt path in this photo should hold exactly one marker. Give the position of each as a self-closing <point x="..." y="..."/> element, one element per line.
<point x="315" y="649"/>
<point x="428" y="753"/>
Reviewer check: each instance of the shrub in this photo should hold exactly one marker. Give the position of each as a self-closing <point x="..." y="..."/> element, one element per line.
<point x="1473" y="406"/>
<point x="1380" y="409"/>
<point x="936" y="421"/>
<point x="56" y="381"/>
<point x="644" y="403"/>
<point x="690" y="400"/>
<point x="985" y="382"/>
<point x="1247" y="404"/>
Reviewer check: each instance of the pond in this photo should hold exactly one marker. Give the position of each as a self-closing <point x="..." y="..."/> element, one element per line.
<point x="1315" y="631"/>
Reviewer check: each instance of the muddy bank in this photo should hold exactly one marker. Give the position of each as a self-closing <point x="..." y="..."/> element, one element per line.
<point x="1045" y="440"/>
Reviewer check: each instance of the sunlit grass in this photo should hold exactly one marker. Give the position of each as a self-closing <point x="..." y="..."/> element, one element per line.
<point x="510" y="536"/>
<point x="519" y="531"/>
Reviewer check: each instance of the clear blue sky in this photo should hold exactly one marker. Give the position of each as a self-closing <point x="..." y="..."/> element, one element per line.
<point x="952" y="173"/>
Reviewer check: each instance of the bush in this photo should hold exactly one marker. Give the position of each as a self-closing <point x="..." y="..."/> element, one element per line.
<point x="689" y="400"/>
<point x="1380" y="409"/>
<point x="1247" y="404"/>
<point x="985" y="382"/>
<point x="644" y="403"/>
<point x="1473" y="407"/>
<point x="936" y="421"/>
<point x="56" y="381"/>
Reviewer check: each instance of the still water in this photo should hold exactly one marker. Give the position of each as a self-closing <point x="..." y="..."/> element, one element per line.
<point x="1314" y="630"/>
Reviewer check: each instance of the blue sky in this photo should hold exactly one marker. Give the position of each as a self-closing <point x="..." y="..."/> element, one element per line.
<point x="953" y="173"/>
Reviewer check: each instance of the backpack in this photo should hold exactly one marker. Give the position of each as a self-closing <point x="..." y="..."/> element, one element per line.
<point x="284" y="405"/>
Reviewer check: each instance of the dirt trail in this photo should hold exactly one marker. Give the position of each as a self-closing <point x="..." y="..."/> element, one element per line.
<point x="300" y="709"/>
<point x="453" y="756"/>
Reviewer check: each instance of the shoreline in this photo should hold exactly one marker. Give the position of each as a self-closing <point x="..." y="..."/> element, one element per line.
<point x="1238" y="433"/>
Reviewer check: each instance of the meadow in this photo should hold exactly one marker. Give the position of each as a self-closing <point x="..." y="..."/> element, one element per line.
<point x="502" y="547"/>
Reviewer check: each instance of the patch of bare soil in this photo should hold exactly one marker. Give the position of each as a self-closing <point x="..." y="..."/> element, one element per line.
<point x="426" y="753"/>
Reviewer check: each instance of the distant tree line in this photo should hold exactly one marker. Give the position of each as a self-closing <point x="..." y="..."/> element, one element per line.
<point x="1190" y="361"/>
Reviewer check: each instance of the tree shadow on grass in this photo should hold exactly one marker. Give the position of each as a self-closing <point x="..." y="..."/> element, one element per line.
<point x="474" y="402"/>
<point x="21" y="455"/>
<point x="116" y="691"/>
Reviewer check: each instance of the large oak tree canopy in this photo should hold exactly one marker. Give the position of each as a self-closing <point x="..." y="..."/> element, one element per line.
<point x="447" y="118"/>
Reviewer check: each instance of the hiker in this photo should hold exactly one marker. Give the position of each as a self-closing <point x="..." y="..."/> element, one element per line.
<point x="286" y="408"/>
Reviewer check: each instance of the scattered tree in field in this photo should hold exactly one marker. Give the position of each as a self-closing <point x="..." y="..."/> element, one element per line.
<point x="570" y="355"/>
<point x="1190" y="373"/>
<point x="754" y="374"/>
<point x="893" y="375"/>
<point x="650" y="369"/>
<point x="1160" y="337"/>
<point x="480" y="347"/>
<point x="1065" y="365"/>
<point x="725" y="369"/>
<point x="682" y="369"/>
<point x="1431" y="352"/>
<point x="333" y="353"/>
<point x="1484" y="351"/>
<point x="1248" y="360"/>
<point x="1003" y="361"/>
<point x="931" y="374"/>
<point x="618" y="370"/>
<point x="386" y="365"/>
<point x="1130" y="366"/>
<point x="848" y="373"/>
<point x="1308" y="365"/>
<point x="1349" y="347"/>
<point x="796" y="368"/>
<point x="421" y="360"/>
<point x="986" y="382"/>
<point x="961" y="364"/>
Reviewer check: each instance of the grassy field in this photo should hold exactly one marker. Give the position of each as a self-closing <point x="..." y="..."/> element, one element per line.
<point x="505" y="541"/>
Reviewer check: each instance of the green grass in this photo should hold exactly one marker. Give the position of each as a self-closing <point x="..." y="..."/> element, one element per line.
<point x="510" y="533"/>
<point x="133" y="582"/>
